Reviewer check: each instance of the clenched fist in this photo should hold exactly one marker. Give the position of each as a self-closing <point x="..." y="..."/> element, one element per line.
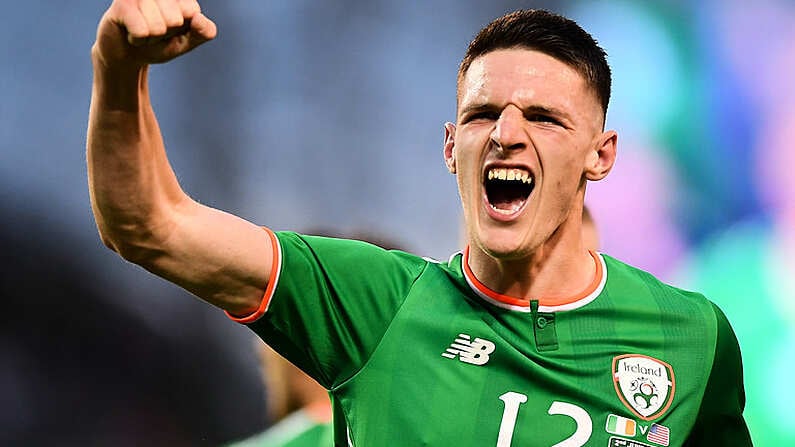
<point x="135" y="33"/>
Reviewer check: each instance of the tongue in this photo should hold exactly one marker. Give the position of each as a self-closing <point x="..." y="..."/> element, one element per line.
<point x="508" y="205"/>
<point x="507" y="199"/>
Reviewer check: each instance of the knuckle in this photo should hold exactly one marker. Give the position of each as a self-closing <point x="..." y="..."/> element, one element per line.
<point x="158" y="29"/>
<point x="190" y="7"/>
<point x="174" y="20"/>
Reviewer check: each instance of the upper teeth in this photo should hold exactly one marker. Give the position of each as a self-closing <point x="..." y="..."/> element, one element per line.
<point x="510" y="174"/>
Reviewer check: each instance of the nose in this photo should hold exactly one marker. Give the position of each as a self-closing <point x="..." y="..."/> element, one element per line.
<point x="509" y="132"/>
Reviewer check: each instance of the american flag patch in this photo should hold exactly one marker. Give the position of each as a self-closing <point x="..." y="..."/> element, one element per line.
<point x="658" y="434"/>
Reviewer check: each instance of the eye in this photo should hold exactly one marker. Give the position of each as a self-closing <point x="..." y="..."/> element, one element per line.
<point x="541" y="118"/>
<point x="483" y="116"/>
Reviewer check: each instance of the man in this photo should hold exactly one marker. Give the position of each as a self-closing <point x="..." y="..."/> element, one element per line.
<point x="526" y="338"/>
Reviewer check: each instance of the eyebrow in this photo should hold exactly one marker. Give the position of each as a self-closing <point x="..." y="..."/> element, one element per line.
<point x="541" y="110"/>
<point x="530" y="110"/>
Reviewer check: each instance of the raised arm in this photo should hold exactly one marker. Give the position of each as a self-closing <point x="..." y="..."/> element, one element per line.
<point x="141" y="211"/>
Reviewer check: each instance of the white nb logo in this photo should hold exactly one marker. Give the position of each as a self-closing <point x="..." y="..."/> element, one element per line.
<point x="471" y="351"/>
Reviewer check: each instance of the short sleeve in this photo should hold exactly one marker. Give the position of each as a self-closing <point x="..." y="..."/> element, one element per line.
<point x="333" y="302"/>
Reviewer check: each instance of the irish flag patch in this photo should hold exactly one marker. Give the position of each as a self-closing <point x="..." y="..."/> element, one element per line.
<point x="618" y="425"/>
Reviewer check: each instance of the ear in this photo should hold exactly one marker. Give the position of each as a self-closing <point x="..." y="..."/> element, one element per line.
<point x="602" y="156"/>
<point x="449" y="147"/>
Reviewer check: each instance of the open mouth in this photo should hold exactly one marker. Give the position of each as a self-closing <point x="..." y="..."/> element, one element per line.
<point x="507" y="189"/>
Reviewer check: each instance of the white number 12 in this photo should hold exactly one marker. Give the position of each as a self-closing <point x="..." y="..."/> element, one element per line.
<point x="512" y="402"/>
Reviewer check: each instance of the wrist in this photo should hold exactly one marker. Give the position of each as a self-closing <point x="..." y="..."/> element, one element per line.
<point x="124" y="67"/>
<point x="118" y="85"/>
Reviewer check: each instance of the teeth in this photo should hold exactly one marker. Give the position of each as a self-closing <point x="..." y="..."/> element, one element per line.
<point x="514" y="208"/>
<point x="510" y="175"/>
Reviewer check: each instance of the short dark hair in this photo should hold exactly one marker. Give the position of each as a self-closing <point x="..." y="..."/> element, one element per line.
<point x="551" y="34"/>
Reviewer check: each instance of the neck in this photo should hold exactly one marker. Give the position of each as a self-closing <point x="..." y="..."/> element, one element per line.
<point x="558" y="270"/>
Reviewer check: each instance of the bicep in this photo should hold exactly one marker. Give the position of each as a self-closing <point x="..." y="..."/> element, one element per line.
<point x="219" y="257"/>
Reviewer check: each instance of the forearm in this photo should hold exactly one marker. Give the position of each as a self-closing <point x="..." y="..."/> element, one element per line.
<point x="140" y="210"/>
<point x="131" y="183"/>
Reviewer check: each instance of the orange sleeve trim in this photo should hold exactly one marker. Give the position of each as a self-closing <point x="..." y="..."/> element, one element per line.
<point x="273" y="279"/>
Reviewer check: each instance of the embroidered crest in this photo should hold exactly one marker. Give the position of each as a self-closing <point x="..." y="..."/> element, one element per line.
<point x="644" y="384"/>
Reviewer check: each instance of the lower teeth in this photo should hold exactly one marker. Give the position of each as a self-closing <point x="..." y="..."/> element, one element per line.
<point x="514" y="208"/>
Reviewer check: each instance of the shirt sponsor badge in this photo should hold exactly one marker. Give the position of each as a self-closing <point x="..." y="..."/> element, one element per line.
<point x="644" y="384"/>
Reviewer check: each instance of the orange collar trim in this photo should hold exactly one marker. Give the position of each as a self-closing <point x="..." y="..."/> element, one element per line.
<point x="545" y="305"/>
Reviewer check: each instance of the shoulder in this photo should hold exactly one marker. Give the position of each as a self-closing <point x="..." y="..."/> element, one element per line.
<point x="692" y="314"/>
<point x="637" y="284"/>
<point x="347" y="251"/>
<point x="621" y="273"/>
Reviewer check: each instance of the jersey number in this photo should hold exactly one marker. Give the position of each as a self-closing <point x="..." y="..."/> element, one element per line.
<point x="512" y="402"/>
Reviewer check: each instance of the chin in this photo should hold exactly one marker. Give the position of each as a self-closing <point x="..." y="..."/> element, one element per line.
<point x="504" y="245"/>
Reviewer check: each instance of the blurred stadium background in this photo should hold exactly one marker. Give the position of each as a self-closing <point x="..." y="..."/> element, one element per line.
<point x="304" y="113"/>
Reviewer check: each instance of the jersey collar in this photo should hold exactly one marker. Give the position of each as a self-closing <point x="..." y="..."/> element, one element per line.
<point x="522" y="305"/>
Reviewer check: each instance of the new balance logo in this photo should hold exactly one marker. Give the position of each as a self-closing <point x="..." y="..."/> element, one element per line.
<point x="471" y="351"/>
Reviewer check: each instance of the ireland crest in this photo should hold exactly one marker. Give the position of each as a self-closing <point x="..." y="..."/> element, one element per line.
<point x="644" y="384"/>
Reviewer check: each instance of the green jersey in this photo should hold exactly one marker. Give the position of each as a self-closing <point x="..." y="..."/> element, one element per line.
<point x="417" y="352"/>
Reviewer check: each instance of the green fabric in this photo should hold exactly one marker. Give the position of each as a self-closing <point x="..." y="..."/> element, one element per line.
<point x="719" y="420"/>
<point x="373" y="325"/>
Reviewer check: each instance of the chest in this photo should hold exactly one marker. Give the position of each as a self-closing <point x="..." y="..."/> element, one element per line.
<point x="448" y="372"/>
